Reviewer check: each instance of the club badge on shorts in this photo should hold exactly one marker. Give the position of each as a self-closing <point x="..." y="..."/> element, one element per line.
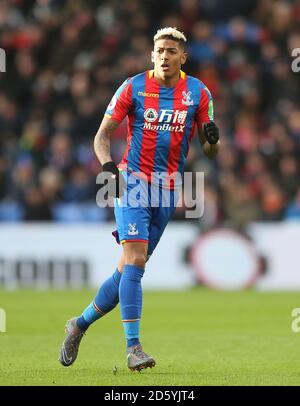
<point x="132" y="230"/>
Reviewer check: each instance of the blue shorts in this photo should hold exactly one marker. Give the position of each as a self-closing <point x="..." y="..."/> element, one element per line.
<point x="143" y="212"/>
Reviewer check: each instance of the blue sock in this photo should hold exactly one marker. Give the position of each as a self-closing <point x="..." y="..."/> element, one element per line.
<point x="131" y="295"/>
<point x="106" y="299"/>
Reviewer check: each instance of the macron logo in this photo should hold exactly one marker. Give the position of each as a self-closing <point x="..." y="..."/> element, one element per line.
<point x="145" y="94"/>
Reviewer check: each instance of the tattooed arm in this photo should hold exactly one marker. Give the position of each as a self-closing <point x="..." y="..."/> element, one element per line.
<point x="102" y="139"/>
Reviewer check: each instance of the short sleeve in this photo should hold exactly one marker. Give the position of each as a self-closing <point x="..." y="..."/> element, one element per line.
<point x="121" y="102"/>
<point x="205" y="111"/>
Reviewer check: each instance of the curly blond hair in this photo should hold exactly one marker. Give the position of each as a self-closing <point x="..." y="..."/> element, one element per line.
<point x="170" y="33"/>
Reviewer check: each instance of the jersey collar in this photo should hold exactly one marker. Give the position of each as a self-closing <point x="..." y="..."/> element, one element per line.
<point x="151" y="74"/>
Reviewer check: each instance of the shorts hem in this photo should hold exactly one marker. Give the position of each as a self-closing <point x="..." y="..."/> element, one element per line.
<point x="133" y="240"/>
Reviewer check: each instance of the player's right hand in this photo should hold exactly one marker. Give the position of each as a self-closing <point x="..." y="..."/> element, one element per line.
<point x="116" y="184"/>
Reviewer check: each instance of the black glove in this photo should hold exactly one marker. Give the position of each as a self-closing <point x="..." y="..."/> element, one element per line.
<point x="211" y="132"/>
<point x="116" y="184"/>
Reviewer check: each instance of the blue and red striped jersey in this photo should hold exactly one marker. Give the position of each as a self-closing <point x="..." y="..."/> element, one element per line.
<point x="161" y="121"/>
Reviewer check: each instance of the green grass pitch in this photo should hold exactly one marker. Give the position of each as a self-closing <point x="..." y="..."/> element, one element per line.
<point x="198" y="337"/>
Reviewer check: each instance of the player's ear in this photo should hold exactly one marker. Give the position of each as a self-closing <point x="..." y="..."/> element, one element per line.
<point x="183" y="58"/>
<point x="152" y="56"/>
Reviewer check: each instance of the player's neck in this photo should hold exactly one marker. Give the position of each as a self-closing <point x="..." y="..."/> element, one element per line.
<point x="167" y="82"/>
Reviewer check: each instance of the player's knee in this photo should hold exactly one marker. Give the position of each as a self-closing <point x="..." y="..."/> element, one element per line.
<point x="136" y="259"/>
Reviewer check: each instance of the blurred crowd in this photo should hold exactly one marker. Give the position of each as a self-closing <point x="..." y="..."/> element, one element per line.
<point x="65" y="59"/>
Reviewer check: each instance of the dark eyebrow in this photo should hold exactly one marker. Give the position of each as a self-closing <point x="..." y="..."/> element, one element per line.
<point x="168" y="49"/>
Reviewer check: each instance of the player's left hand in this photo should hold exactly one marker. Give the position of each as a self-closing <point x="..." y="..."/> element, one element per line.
<point x="211" y="132"/>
